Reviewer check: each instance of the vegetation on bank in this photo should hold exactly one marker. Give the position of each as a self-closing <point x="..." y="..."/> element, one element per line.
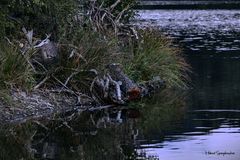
<point x="154" y="56"/>
<point x="89" y="35"/>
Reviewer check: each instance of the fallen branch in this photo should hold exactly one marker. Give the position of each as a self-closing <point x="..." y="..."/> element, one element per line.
<point x="117" y="88"/>
<point x="42" y="82"/>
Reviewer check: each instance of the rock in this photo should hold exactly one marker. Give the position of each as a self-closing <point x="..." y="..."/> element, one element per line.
<point x="117" y="88"/>
<point x="47" y="56"/>
<point x="49" y="53"/>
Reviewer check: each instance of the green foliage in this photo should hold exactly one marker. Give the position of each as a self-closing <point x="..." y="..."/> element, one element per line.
<point x="82" y="51"/>
<point x="154" y="56"/>
<point x="88" y="49"/>
<point x="14" y="68"/>
<point x="5" y="25"/>
<point x="51" y="16"/>
<point x="43" y="16"/>
<point x="81" y="48"/>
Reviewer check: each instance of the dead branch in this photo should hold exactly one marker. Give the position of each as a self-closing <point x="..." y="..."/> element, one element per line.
<point x="69" y="78"/>
<point x="114" y="5"/>
<point x="41" y="83"/>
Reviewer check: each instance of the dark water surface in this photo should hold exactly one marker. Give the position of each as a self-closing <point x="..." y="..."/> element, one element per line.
<point x="210" y="128"/>
<point x="204" y="124"/>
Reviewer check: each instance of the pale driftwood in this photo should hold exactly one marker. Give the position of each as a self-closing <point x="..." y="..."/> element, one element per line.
<point x="115" y="93"/>
<point x="115" y="71"/>
<point x="106" y="90"/>
<point x="29" y="35"/>
<point x="117" y="88"/>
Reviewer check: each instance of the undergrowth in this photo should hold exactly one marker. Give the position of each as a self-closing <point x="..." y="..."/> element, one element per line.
<point x="15" y="71"/>
<point x="81" y="48"/>
<point x="154" y="56"/>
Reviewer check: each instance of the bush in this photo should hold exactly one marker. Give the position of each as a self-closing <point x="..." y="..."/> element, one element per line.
<point x="81" y="47"/>
<point x="88" y="49"/>
<point x="80" y="53"/>
<point x="43" y="16"/>
<point x="54" y="16"/>
<point x="154" y="56"/>
<point x="15" y="71"/>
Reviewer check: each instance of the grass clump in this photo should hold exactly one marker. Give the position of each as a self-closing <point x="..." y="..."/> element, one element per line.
<point x="82" y="53"/>
<point x="86" y="49"/>
<point x="15" y="71"/>
<point x="153" y="56"/>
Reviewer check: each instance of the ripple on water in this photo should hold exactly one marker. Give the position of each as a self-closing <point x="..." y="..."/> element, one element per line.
<point x="196" y="26"/>
<point x="217" y="110"/>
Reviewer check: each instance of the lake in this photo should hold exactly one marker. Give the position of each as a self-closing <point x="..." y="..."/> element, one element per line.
<point x="210" y="127"/>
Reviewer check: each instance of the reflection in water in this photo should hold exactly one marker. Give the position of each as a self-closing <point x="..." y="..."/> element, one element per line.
<point x="104" y="135"/>
<point x="204" y="131"/>
<point x="177" y="132"/>
<point x="216" y="81"/>
<point x="88" y="136"/>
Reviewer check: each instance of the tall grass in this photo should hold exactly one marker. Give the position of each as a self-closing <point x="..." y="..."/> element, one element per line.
<point x="14" y="68"/>
<point x="154" y="55"/>
<point x="86" y="49"/>
<point x="82" y="50"/>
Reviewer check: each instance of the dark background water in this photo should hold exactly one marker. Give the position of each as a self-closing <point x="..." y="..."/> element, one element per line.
<point x="211" y="121"/>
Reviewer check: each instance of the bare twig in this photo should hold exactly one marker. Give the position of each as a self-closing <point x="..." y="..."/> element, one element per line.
<point x="28" y="61"/>
<point x="41" y="83"/>
<point x="69" y="78"/>
<point x="8" y="40"/>
<point x="117" y="87"/>
<point x="119" y="16"/>
<point x="114" y="5"/>
<point x="40" y="64"/>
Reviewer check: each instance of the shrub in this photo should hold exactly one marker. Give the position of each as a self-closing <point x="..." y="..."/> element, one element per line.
<point x="43" y="16"/>
<point x="81" y="47"/>
<point x="81" y="52"/>
<point x="155" y="56"/>
<point x="54" y="16"/>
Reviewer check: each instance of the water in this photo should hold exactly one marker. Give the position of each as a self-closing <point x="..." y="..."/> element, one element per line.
<point x="217" y="30"/>
<point x="203" y="124"/>
<point x="210" y="128"/>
